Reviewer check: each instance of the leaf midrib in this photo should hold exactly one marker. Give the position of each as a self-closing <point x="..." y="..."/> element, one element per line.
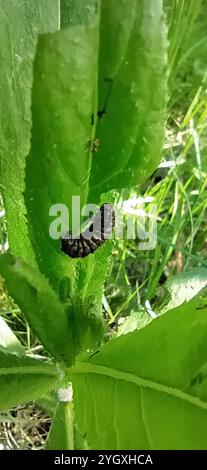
<point x="41" y="370"/>
<point x="87" y="368"/>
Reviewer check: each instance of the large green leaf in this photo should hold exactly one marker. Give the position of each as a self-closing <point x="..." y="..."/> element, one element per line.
<point x="23" y="379"/>
<point x="20" y="23"/>
<point x="130" y="115"/>
<point x="145" y="389"/>
<point x="58" y="167"/>
<point x="64" y="111"/>
<point x="59" y="161"/>
<point x="132" y="93"/>
<point x="43" y="311"/>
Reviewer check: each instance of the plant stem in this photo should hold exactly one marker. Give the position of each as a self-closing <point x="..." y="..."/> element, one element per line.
<point x="61" y="436"/>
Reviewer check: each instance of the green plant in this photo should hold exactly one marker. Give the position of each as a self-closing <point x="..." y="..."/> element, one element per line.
<point x="92" y="79"/>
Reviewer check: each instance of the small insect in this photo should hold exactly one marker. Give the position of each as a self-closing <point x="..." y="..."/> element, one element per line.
<point x="93" y="145"/>
<point x="93" y="237"/>
<point x="102" y="111"/>
<point x="100" y="114"/>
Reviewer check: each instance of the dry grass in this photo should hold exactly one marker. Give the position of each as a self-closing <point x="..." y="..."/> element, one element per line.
<point x="24" y="428"/>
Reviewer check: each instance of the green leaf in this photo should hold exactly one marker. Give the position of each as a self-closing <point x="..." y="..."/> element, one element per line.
<point x="92" y="271"/>
<point x="132" y="93"/>
<point x="8" y="339"/>
<point x="87" y="324"/>
<point x="59" y="161"/>
<point x="61" y="433"/>
<point x="144" y="389"/>
<point x="23" y="379"/>
<point x="20" y="24"/>
<point x="44" y="313"/>
<point x="64" y="107"/>
<point x="184" y="286"/>
<point x="85" y="308"/>
<point x="77" y="12"/>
